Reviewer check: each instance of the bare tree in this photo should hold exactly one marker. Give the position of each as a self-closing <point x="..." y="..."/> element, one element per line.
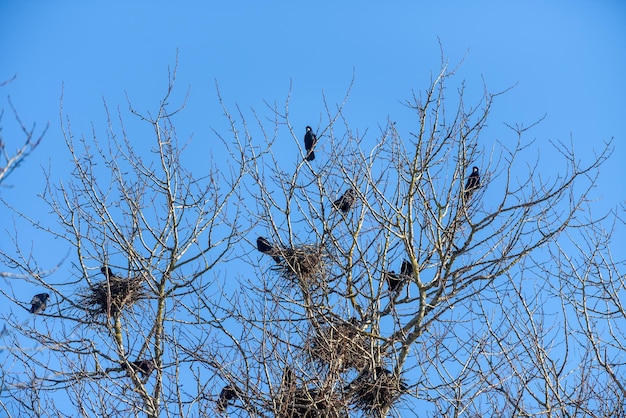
<point x="11" y="158"/>
<point x="384" y="277"/>
<point x="146" y="235"/>
<point x="353" y="337"/>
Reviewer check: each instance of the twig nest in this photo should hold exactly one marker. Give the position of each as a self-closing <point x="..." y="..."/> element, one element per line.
<point x="114" y="294"/>
<point x="376" y="389"/>
<point x="340" y="345"/>
<point x="305" y="263"/>
<point x="304" y="402"/>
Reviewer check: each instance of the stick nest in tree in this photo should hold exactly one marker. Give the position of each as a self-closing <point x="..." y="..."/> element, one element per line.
<point x="112" y="295"/>
<point x="305" y="263"/>
<point x="340" y="345"/>
<point x="376" y="390"/>
<point x="301" y="402"/>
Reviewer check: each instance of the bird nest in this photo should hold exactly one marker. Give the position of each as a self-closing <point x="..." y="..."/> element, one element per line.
<point x="305" y="263"/>
<point x="299" y="402"/>
<point x="377" y="389"/>
<point x="340" y="346"/>
<point x="112" y="295"/>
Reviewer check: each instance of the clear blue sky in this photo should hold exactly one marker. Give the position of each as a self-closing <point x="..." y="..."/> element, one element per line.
<point x="568" y="59"/>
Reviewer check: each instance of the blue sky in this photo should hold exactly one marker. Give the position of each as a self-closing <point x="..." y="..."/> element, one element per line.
<point x="567" y="60"/>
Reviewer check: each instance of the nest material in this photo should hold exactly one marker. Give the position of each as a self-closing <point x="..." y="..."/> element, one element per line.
<point x="377" y="389"/>
<point x="302" y="401"/>
<point x="110" y="296"/>
<point x="299" y="402"/>
<point x="340" y="346"/>
<point x="304" y="263"/>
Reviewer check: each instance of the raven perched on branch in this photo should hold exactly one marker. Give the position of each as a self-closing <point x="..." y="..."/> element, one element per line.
<point x="145" y="366"/>
<point x="309" y="142"/>
<point x="345" y="202"/>
<point x="264" y="246"/>
<point x="108" y="273"/>
<point x="473" y="183"/>
<point x="227" y="394"/>
<point x="39" y="303"/>
<point x="394" y="281"/>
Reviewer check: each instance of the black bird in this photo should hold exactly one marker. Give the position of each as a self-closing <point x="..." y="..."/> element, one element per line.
<point x="264" y="246"/>
<point x="228" y="393"/>
<point x="309" y="142"/>
<point x="393" y="280"/>
<point x="145" y="367"/>
<point x="345" y="201"/>
<point x="473" y="183"/>
<point x="407" y="268"/>
<point x="38" y="303"/>
<point x="382" y="373"/>
<point x="383" y="380"/>
<point x="107" y="272"/>
<point x="289" y="380"/>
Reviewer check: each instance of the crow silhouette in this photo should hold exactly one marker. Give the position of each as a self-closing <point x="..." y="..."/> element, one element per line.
<point x="473" y="183"/>
<point x="145" y="367"/>
<point x="264" y="246"/>
<point x="39" y="303"/>
<point x="345" y="202"/>
<point x="393" y="280"/>
<point x="309" y="142"/>
<point x="227" y="394"/>
<point x="407" y="268"/>
<point x="107" y="272"/>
